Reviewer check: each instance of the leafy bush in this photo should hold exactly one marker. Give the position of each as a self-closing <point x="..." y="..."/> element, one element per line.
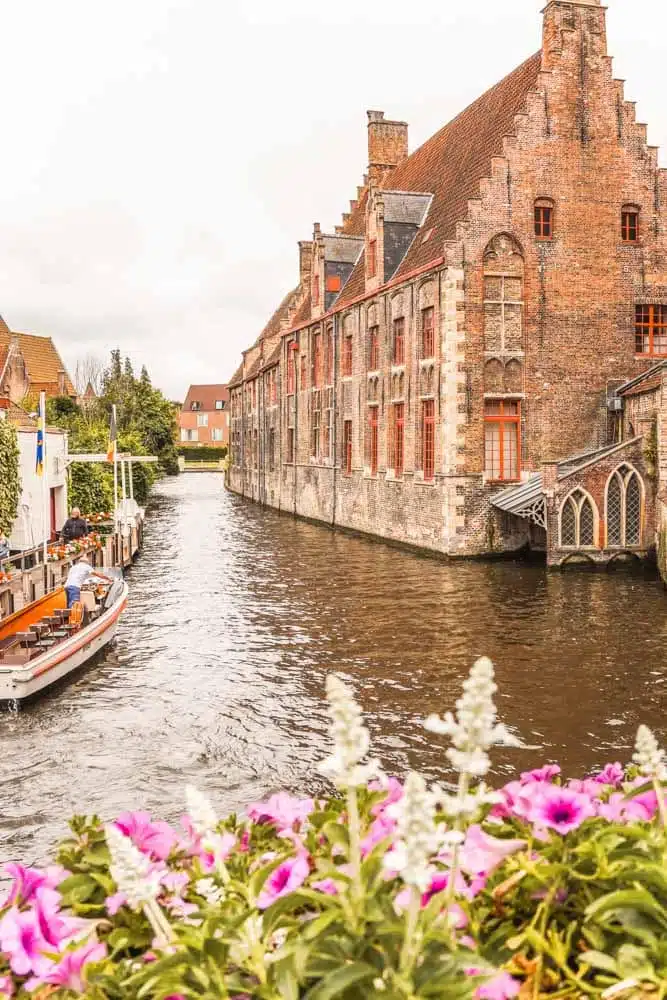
<point x="202" y="453"/>
<point x="382" y="889"/>
<point x="10" y="479"/>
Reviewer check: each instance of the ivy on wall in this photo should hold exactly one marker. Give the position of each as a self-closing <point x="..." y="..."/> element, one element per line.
<point x="10" y="480"/>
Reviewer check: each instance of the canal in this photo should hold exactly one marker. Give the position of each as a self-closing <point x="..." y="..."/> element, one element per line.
<point x="236" y="614"/>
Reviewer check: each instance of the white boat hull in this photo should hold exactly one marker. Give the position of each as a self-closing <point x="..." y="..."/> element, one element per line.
<point x="18" y="683"/>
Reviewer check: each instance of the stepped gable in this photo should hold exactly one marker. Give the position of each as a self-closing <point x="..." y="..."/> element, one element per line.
<point x="273" y="326"/>
<point x="43" y="363"/>
<point x="451" y="164"/>
<point x="237" y="377"/>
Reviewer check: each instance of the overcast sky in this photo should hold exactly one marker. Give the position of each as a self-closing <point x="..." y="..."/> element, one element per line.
<point x="161" y="158"/>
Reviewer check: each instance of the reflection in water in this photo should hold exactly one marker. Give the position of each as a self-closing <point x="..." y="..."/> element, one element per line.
<point x="235" y="615"/>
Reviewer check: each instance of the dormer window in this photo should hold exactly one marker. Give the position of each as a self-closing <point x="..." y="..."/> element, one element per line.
<point x="195" y="405"/>
<point x="544" y="219"/>
<point x="372" y="258"/>
<point x="219" y="404"/>
<point x="630" y="224"/>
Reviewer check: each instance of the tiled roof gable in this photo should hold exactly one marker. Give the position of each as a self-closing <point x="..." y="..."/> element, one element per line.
<point x="43" y="363"/>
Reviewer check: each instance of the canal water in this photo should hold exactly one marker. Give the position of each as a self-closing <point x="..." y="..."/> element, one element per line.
<point x="237" y="613"/>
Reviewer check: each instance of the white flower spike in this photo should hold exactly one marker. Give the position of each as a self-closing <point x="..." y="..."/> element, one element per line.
<point x="351" y="739"/>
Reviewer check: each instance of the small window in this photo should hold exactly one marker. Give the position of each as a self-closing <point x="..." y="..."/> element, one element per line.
<point x="195" y="405"/>
<point x="315" y="435"/>
<point x="502" y="419"/>
<point x="216" y="434"/>
<point x="219" y="404"/>
<point x="290" y="445"/>
<point x="651" y="330"/>
<point x="630" y="224"/>
<point x="302" y="374"/>
<point x="347" y="447"/>
<point x="428" y="332"/>
<point x="329" y="355"/>
<point x="333" y="283"/>
<point x="346" y="360"/>
<point x="291" y="367"/>
<point x="428" y="438"/>
<point x="373" y="438"/>
<point x="399" y="341"/>
<point x="372" y="258"/>
<point x="272" y="449"/>
<point x="397" y="438"/>
<point x="544" y="219"/>
<point x="316" y="359"/>
<point x="202" y="420"/>
<point x="374" y="348"/>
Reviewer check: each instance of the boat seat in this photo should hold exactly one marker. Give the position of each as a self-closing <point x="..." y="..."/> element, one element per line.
<point x="26" y="638"/>
<point x="75" y="617"/>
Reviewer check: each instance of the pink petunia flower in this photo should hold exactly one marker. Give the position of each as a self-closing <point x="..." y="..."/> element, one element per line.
<point x="69" y="973"/>
<point x="6" y="987"/>
<point x="517" y="800"/>
<point x="282" y="810"/>
<point x="22" y="943"/>
<point x="502" y="986"/>
<point x="561" y="809"/>
<point x="383" y="826"/>
<point x="611" y="774"/>
<point x="327" y="886"/>
<point x="28" y="880"/>
<point x="619" y="809"/>
<point x="545" y="773"/>
<point x="114" y="903"/>
<point x="284" y="879"/>
<point x="394" y="790"/>
<point x="156" y="839"/>
<point x="482" y="853"/>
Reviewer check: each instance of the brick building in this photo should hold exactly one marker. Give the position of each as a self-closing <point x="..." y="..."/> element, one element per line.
<point x="447" y="371"/>
<point x="204" y="416"/>
<point x="30" y="365"/>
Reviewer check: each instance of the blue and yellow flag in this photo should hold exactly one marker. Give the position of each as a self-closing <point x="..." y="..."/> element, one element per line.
<point x="41" y="425"/>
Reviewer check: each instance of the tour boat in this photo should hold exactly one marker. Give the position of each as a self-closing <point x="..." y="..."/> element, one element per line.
<point x="44" y="641"/>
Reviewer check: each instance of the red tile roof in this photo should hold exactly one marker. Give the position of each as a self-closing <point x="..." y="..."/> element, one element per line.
<point x="42" y="361"/>
<point x="206" y="395"/>
<point x="236" y="378"/>
<point x="450" y="166"/>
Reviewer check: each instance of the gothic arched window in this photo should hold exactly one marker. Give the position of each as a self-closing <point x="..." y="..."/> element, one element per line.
<point x="624" y="508"/>
<point x="577" y="521"/>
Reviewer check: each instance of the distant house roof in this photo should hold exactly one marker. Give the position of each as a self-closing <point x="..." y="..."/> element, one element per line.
<point x="206" y="396"/>
<point x="42" y="360"/>
<point x="648" y="380"/>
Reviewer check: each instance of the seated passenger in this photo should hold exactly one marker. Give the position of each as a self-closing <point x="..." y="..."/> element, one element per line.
<point x="80" y="572"/>
<point x="74" y="527"/>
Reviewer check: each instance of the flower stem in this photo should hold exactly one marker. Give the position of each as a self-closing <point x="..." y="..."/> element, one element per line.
<point x="355" y="842"/>
<point x="156" y="918"/>
<point x="660" y="796"/>
<point x="407" y="951"/>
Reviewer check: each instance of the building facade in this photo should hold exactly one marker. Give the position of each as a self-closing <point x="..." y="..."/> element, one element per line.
<point x="30" y="365"/>
<point x="204" y="416"/>
<point x="37" y="508"/>
<point x="446" y="373"/>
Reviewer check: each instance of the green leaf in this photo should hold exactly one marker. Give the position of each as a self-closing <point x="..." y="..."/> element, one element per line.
<point x="598" y="960"/>
<point x="340" y="980"/>
<point x="628" y="899"/>
<point x="634" y="963"/>
<point x="337" y="834"/>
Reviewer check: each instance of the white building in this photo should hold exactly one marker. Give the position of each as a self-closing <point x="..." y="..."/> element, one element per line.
<point x="28" y="530"/>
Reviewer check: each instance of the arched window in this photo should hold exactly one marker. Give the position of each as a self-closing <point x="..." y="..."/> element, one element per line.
<point x="544" y="218"/>
<point x="624" y="508"/>
<point x="577" y="521"/>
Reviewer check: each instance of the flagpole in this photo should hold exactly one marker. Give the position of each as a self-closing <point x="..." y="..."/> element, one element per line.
<point x="45" y="477"/>
<point x="115" y="470"/>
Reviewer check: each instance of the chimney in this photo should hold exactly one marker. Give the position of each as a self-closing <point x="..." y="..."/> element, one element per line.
<point x="562" y="17"/>
<point x="61" y="382"/>
<point x="387" y="145"/>
<point x="305" y="261"/>
<point x="14" y="341"/>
